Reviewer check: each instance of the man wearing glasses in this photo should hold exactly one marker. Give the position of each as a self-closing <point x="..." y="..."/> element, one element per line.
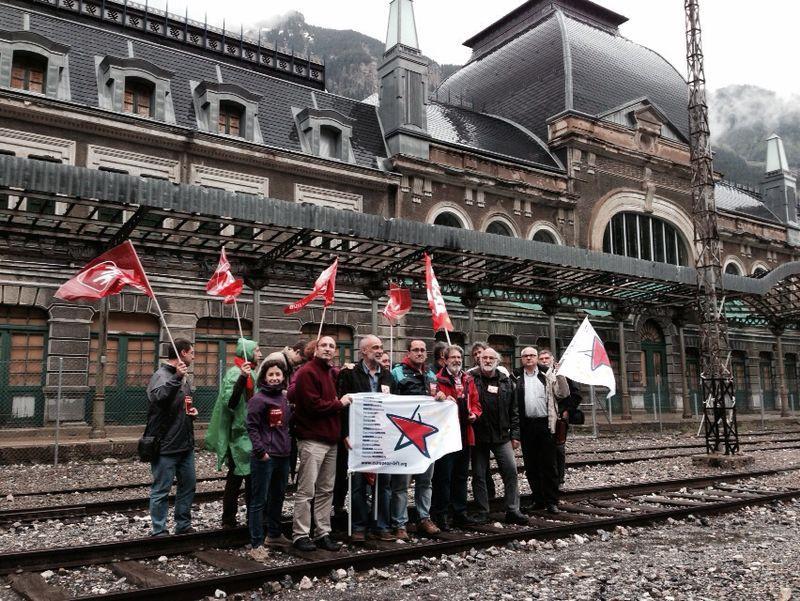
<point x="413" y="377"/>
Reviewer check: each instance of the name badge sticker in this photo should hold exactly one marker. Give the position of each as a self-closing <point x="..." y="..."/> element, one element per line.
<point x="492" y="389"/>
<point x="385" y="389"/>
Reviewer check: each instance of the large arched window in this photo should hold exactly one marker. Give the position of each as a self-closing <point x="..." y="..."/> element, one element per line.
<point x="448" y="219"/>
<point x="544" y="236"/>
<point x="732" y="269"/>
<point x="214" y="352"/>
<point x="644" y="237"/>
<point x="499" y="228"/>
<point x="23" y="350"/>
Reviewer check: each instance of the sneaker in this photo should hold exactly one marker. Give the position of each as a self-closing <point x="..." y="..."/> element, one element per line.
<point x="381" y="535"/>
<point x="552" y="509"/>
<point x="259" y="554"/>
<point x="400" y="534"/>
<point x="358" y="536"/>
<point x="304" y="544"/>
<point x="277" y="541"/>
<point x="515" y="517"/>
<point x="463" y="520"/>
<point x="327" y="543"/>
<point x="427" y="526"/>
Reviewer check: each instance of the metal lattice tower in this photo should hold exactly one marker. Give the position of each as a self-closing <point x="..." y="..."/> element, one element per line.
<point x="719" y="406"/>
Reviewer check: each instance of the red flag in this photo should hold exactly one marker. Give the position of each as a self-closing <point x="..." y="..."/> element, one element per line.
<point x="399" y="303"/>
<point x="107" y="275"/>
<point x="324" y="286"/>
<point x="222" y="283"/>
<point x="435" y="300"/>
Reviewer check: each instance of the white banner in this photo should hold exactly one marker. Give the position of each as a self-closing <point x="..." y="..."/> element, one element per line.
<point x="392" y="434"/>
<point x="586" y="360"/>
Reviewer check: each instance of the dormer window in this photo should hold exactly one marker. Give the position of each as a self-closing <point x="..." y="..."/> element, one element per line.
<point x="227" y="109"/>
<point x="136" y="87"/>
<point x="325" y="133"/>
<point x="30" y="62"/>
<point x="139" y="95"/>
<point x="230" y="118"/>
<point x="29" y="71"/>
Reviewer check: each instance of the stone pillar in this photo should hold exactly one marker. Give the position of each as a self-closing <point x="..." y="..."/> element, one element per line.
<point x="621" y="315"/>
<point x="470" y="301"/>
<point x="777" y="330"/>
<point x="374" y="313"/>
<point x="99" y="401"/>
<point x="550" y="308"/>
<point x="373" y="292"/>
<point x="687" y="401"/>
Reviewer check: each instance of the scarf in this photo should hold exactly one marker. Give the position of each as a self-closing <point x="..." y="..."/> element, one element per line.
<point x="240" y="363"/>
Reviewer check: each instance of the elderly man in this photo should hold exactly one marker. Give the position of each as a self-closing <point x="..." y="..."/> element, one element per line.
<point x="565" y="408"/>
<point x="537" y="394"/>
<point x="496" y="431"/>
<point x="414" y="377"/>
<point x="318" y="428"/>
<point x="451" y="472"/>
<point x="368" y="375"/>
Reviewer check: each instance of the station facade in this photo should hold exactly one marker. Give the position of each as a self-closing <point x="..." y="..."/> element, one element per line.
<point x="558" y="131"/>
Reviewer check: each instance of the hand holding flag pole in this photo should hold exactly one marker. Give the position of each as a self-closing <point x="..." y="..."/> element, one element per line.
<point x="325" y="286"/>
<point x="108" y="275"/>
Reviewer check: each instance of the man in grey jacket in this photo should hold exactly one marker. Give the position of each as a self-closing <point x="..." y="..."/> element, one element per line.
<point x="170" y="418"/>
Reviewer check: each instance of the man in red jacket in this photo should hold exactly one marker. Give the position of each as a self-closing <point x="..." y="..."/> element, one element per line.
<point x="317" y="425"/>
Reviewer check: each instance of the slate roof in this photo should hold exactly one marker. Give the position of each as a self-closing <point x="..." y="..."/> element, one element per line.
<point x="730" y="197"/>
<point x="462" y="127"/>
<point x="278" y="97"/>
<point x="563" y="62"/>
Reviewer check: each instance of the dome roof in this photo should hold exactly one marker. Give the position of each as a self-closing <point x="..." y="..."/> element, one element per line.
<point x="560" y="55"/>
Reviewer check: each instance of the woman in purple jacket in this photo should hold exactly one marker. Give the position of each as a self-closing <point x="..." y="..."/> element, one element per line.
<point x="268" y="415"/>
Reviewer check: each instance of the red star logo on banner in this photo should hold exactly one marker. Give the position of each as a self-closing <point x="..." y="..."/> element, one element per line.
<point x="413" y="432"/>
<point x="599" y="354"/>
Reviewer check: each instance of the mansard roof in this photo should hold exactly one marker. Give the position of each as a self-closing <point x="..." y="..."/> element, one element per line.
<point x="278" y="97"/>
<point x="735" y="199"/>
<point x="553" y="58"/>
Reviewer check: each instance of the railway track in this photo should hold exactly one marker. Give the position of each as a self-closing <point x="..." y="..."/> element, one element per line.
<point x="584" y="511"/>
<point x="81" y="510"/>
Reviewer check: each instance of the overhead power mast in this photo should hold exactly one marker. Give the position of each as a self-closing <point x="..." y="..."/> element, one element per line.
<point x="717" y="384"/>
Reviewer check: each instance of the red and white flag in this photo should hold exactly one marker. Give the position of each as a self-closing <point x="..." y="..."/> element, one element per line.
<point x="107" y="275"/>
<point x="399" y="303"/>
<point x="435" y="299"/>
<point x="586" y="360"/>
<point x="222" y="283"/>
<point x="324" y="286"/>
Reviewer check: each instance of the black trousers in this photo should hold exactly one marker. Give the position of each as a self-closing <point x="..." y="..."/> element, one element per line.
<point x="539" y="455"/>
<point x="340" y="484"/>
<point x="230" y="498"/>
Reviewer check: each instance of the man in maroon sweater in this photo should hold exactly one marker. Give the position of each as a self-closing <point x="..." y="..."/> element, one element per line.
<point x="317" y="425"/>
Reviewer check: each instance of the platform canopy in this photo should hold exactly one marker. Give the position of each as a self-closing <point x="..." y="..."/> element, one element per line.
<point x="70" y="214"/>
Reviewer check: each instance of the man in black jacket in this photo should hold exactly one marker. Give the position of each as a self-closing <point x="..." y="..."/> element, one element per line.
<point x="496" y="431"/>
<point x="368" y="375"/>
<point x="170" y="418"/>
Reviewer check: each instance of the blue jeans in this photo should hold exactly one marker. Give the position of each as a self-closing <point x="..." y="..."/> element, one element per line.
<point x="165" y="469"/>
<point x="399" y="497"/>
<point x="364" y="511"/>
<point x="268" y="481"/>
<point x="450" y="484"/>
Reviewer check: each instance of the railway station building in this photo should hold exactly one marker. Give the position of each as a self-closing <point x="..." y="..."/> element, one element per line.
<point x="549" y="178"/>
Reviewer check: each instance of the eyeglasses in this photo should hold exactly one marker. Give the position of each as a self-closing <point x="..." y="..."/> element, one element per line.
<point x="528" y="356"/>
<point x="419" y="350"/>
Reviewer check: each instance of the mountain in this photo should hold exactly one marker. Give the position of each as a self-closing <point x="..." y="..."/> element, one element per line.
<point x="351" y="58"/>
<point x="742" y="118"/>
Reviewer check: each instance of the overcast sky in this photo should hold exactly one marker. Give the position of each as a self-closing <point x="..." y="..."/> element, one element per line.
<point x="744" y="42"/>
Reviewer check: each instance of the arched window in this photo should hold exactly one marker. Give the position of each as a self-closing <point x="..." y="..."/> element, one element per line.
<point x="544" y="236"/>
<point x="131" y="358"/>
<point x="759" y="271"/>
<point x="448" y="219"/>
<point x="499" y="228"/>
<point x="732" y="269"/>
<point x="644" y="237"/>
<point x="230" y="118"/>
<point x="139" y="97"/>
<point x="29" y="72"/>
<point x="343" y="336"/>
<point x="214" y="350"/>
<point x="23" y="333"/>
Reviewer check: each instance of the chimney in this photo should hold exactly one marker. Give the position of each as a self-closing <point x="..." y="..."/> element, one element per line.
<point x="403" y="78"/>
<point x="779" y="186"/>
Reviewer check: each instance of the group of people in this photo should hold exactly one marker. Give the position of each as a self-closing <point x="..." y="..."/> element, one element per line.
<point x="291" y="409"/>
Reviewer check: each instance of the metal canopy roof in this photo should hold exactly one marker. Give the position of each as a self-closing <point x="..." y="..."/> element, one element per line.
<point x="71" y="213"/>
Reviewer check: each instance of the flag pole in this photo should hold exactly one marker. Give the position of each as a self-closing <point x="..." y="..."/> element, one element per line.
<point x="321" y="322"/>
<point x="239" y="321"/>
<point x="447" y="335"/>
<point x="155" y="300"/>
<point x="391" y="344"/>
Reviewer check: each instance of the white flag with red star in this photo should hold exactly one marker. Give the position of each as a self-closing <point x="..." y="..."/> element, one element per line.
<point x="586" y="360"/>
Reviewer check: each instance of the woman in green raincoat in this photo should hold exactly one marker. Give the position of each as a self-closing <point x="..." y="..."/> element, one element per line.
<point x="227" y="430"/>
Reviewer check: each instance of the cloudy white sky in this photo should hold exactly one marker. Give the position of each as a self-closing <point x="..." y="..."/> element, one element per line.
<point x="744" y="42"/>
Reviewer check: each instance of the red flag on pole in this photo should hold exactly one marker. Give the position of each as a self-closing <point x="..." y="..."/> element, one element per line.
<point x="435" y="300"/>
<point x="222" y="283"/>
<point x="324" y="286"/>
<point x="107" y="275"/>
<point x="399" y="303"/>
